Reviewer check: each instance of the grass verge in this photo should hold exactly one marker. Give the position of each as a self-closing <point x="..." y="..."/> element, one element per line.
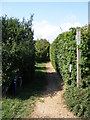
<point x="21" y="105"/>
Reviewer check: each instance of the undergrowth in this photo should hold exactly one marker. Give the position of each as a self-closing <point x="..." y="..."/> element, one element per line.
<point x="78" y="101"/>
<point x="21" y="105"/>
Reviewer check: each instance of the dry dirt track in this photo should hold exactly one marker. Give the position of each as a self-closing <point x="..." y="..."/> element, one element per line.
<point x="51" y="105"/>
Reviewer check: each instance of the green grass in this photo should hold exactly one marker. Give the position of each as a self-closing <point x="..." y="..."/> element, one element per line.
<point x="21" y="105"/>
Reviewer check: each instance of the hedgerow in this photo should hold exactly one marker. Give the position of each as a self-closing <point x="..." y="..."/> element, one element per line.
<point x="63" y="53"/>
<point x="17" y="50"/>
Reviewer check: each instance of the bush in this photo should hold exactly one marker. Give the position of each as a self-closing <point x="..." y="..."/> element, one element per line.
<point x="17" y="50"/>
<point x="42" y="50"/>
<point x="78" y="101"/>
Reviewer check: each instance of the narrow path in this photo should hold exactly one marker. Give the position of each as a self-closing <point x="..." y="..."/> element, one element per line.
<point x="52" y="105"/>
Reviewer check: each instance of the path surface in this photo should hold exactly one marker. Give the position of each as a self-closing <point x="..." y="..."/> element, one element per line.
<point x="52" y="105"/>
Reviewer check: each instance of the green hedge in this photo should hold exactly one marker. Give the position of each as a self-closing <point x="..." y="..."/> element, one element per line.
<point x="63" y="52"/>
<point x="17" y="50"/>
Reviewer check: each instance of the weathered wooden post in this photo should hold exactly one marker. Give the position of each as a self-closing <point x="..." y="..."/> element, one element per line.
<point x="78" y="38"/>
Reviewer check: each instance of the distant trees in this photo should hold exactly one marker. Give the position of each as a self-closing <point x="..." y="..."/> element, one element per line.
<point x="42" y="50"/>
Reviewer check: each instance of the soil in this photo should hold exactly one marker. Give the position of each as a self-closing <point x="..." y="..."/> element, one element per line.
<point x="52" y="103"/>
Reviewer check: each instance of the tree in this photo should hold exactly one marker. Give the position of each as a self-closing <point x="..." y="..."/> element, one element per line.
<point x="17" y="50"/>
<point x="42" y="50"/>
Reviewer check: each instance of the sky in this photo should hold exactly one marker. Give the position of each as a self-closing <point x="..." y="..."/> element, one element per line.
<point x="50" y="18"/>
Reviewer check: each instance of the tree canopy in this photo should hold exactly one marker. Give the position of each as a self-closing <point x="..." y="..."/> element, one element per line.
<point x="42" y="50"/>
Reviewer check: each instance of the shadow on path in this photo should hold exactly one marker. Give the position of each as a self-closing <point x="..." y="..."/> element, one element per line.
<point x="44" y="83"/>
<point x="51" y="104"/>
<point x="55" y="83"/>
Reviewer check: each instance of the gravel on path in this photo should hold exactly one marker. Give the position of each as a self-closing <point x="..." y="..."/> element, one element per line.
<point x="52" y="104"/>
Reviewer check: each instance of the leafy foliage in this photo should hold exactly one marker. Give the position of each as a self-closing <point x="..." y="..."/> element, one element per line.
<point x="17" y="50"/>
<point x="78" y="101"/>
<point x="42" y="50"/>
<point x="62" y="54"/>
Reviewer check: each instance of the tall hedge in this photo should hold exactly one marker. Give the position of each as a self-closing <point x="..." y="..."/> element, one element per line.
<point x="17" y="50"/>
<point x="63" y="52"/>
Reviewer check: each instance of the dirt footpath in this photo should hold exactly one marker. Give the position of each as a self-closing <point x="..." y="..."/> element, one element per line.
<point x="52" y="105"/>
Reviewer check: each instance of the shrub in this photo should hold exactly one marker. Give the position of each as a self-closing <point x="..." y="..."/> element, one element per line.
<point x="78" y="101"/>
<point x="17" y="50"/>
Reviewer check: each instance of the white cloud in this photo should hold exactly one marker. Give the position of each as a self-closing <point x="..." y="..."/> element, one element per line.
<point x="45" y="30"/>
<point x="66" y="26"/>
<point x="50" y="32"/>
